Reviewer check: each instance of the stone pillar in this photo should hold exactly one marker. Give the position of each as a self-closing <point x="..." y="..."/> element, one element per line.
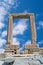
<point x="26" y="51"/>
<point x="10" y="25"/>
<point x="33" y="29"/>
<point x="18" y="51"/>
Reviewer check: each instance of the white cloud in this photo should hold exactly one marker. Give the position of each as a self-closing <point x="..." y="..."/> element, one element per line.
<point x="40" y="25"/>
<point x="37" y="15"/>
<point x="21" y="48"/>
<point x="2" y="13"/>
<point x="15" y="41"/>
<point x="4" y="33"/>
<point x="14" y="3"/>
<point x="2" y="41"/>
<point x="1" y="17"/>
<point x="41" y="42"/>
<point x="9" y="1"/>
<point x="28" y="42"/>
<point x="0" y="32"/>
<point x="2" y="51"/>
<point x="1" y="25"/>
<point x="5" y="9"/>
<point x="20" y="27"/>
<point x="25" y="11"/>
<point x="6" y="6"/>
<point x="2" y="10"/>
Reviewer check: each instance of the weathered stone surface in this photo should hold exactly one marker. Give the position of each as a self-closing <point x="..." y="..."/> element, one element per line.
<point x="36" y="60"/>
<point x="21" y="15"/>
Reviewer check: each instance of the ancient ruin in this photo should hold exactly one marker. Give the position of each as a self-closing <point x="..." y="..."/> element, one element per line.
<point x="32" y="24"/>
<point x="14" y="49"/>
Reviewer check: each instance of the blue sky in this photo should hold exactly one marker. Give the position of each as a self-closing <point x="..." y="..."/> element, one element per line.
<point x="21" y="27"/>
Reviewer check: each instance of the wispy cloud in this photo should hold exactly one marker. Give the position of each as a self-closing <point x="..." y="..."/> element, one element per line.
<point x="40" y="25"/>
<point x="4" y="33"/>
<point x="15" y="41"/>
<point x="9" y="2"/>
<point x="22" y="47"/>
<point x="2" y="51"/>
<point x="28" y="42"/>
<point x="41" y="42"/>
<point x="20" y="27"/>
<point x="1" y="25"/>
<point x="5" y="8"/>
<point x="2" y="41"/>
<point x="2" y="13"/>
<point x="38" y="28"/>
<point x="2" y="10"/>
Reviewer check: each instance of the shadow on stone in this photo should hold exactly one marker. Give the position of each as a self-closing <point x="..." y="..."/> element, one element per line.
<point x="10" y="63"/>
